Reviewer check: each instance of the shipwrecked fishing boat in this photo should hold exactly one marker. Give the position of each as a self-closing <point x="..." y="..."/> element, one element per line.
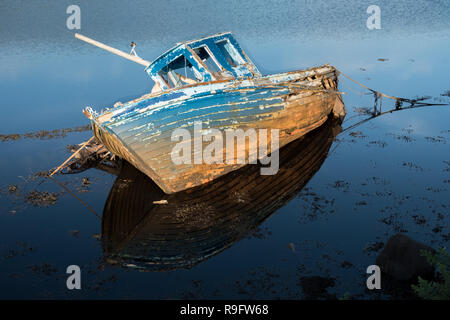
<point x="211" y="81"/>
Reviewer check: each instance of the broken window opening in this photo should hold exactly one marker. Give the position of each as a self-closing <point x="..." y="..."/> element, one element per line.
<point x="229" y="52"/>
<point x="208" y="59"/>
<point x="217" y="70"/>
<point x="180" y="72"/>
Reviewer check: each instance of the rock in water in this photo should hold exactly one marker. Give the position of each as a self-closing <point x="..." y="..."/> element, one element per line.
<point x="402" y="259"/>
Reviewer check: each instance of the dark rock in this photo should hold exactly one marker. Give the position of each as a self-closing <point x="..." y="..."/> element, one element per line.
<point x="315" y="287"/>
<point x="402" y="259"/>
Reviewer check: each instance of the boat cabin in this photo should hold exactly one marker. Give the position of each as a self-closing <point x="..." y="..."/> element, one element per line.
<point x="217" y="57"/>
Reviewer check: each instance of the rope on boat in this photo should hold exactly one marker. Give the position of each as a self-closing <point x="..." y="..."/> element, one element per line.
<point x="398" y="100"/>
<point x="413" y="104"/>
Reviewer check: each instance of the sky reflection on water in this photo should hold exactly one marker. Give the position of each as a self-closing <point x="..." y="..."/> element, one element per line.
<point x="376" y="182"/>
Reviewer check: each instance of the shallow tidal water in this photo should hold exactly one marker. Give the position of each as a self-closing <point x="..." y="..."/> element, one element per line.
<point x="388" y="175"/>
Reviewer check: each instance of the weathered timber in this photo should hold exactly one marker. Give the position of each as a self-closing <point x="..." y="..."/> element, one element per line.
<point x="112" y="50"/>
<point x="91" y="154"/>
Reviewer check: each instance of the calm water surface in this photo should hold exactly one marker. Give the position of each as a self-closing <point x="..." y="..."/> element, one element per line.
<point x="389" y="175"/>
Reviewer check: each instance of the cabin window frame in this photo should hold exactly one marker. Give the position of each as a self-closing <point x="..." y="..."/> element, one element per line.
<point x="240" y="61"/>
<point x="169" y="73"/>
<point x="213" y="57"/>
<point x="163" y="81"/>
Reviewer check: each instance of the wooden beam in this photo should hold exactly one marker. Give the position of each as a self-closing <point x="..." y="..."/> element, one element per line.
<point x="113" y="50"/>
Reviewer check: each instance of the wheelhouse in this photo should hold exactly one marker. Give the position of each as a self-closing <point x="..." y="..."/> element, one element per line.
<point x="218" y="57"/>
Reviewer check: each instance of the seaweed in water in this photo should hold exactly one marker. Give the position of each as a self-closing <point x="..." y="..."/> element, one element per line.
<point x="41" y="199"/>
<point x="43" y="134"/>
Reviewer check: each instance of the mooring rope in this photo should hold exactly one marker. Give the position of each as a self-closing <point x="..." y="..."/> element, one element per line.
<point x="360" y="84"/>
<point x="398" y="100"/>
<point x="414" y="103"/>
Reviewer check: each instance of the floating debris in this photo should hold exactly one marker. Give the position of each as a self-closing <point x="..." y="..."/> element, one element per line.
<point x="160" y="202"/>
<point x="93" y="155"/>
<point x="75" y="233"/>
<point x="291" y="246"/>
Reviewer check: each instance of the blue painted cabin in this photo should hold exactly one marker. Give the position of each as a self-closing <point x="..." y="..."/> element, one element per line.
<point x="216" y="57"/>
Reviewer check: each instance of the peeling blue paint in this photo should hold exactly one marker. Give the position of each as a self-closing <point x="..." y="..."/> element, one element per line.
<point x="241" y="68"/>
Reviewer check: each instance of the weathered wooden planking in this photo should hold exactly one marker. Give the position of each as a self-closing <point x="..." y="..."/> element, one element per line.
<point x="140" y="132"/>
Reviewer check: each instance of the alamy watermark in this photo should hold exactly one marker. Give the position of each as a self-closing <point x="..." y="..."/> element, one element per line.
<point x="74" y="280"/>
<point x="374" y="281"/>
<point x="74" y="20"/>
<point x="374" y="20"/>
<point x="230" y="146"/>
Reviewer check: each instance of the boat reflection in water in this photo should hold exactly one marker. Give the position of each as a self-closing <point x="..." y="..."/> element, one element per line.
<point x="198" y="223"/>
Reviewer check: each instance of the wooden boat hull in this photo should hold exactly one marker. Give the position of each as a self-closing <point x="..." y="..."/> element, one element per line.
<point x="140" y="130"/>
<point x="201" y="222"/>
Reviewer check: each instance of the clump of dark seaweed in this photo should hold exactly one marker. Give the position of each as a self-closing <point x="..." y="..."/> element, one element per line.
<point x="43" y="134"/>
<point x="341" y="185"/>
<point x="43" y="269"/>
<point x="379" y="143"/>
<point x="438" y="139"/>
<point x="363" y="111"/>
<point x="374" y="247"/>
<point x="357" y="134"/>
<point x="411" y="165"/>
<point x="41" y="199"/>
